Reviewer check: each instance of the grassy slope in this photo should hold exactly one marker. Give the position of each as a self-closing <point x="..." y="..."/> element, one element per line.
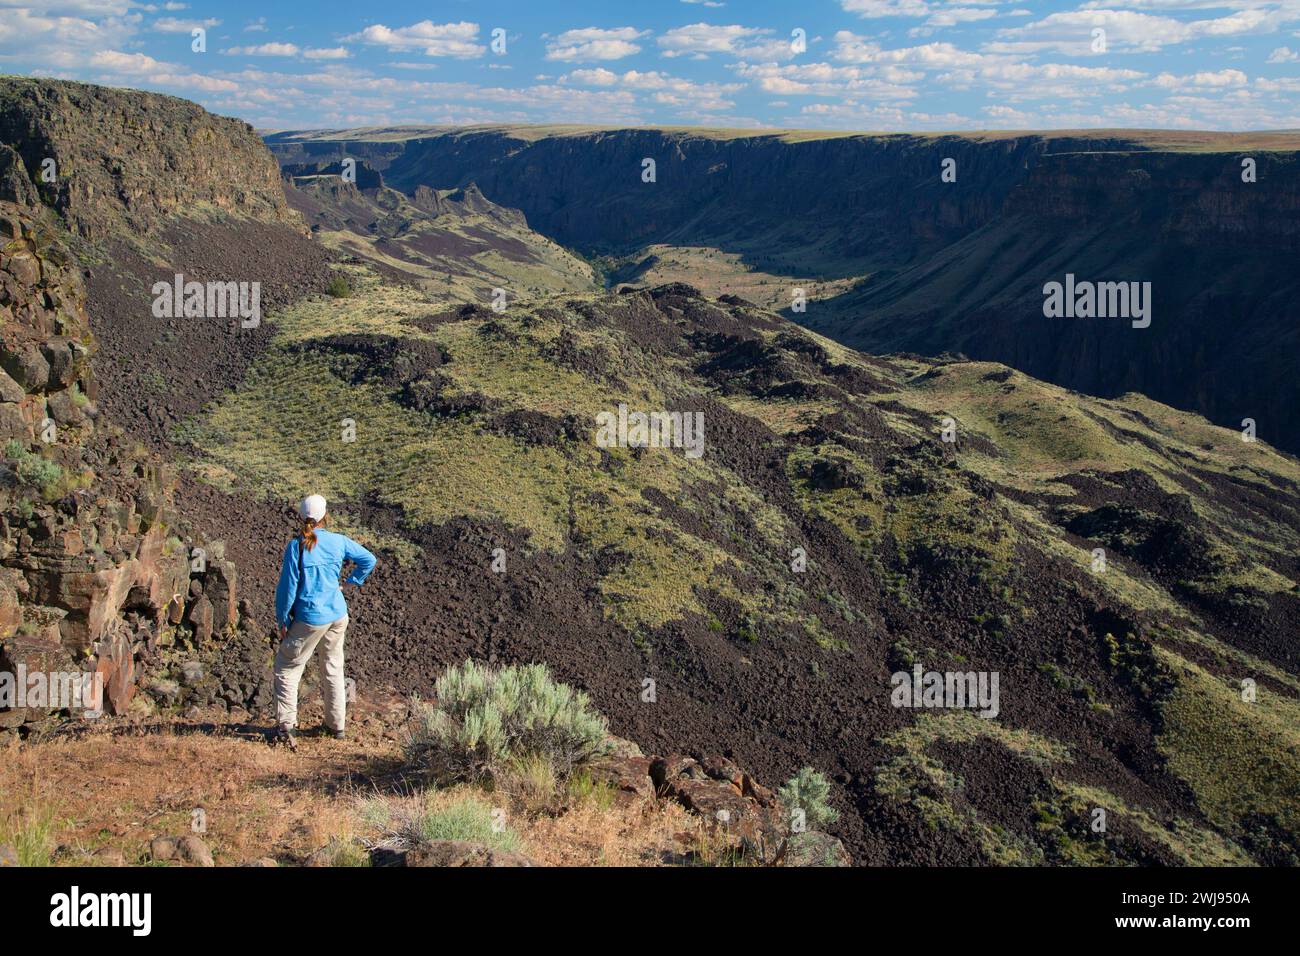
<point x="471" y="248"/>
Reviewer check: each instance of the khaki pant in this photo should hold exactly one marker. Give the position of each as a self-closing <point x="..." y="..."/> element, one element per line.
<point x="295" y="651"/>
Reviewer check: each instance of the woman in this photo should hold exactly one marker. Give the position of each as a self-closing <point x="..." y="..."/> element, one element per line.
<point x="310" y="610"/>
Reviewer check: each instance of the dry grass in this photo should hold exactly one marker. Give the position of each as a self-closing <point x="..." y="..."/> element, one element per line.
<point x="122" y="791"/>
<point x="72" y="797"/>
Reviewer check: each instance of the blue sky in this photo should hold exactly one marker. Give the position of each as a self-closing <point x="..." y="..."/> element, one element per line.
<point x="865" y="64"/>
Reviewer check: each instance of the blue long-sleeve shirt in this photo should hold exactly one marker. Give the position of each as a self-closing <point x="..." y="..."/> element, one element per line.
<point x="317" y="598"/>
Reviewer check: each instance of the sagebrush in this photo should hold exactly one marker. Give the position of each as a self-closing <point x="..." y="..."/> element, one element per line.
<point x="486" y="723"/>
<point x="809" y="791"/>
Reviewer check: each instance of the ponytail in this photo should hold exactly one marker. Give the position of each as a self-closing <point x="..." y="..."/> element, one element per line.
<point x="309" y="532"/>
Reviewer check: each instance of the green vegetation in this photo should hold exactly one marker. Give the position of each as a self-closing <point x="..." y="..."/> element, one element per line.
<point x="809" y="791"/>
<point x="490" y="723"/>
<point x="31" y="835"/>
<point x="34" y="470"/>
<point x="1241" y="758"/>
<point x="338" y="286"/>
<point x="415" y="822"/>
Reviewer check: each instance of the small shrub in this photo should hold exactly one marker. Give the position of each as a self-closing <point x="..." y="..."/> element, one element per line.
<point x="33" y="470"/>
<point x="39" y="472"/>
<point x="340" y="852"/>
<point x="406" y="824"/>
<point x="583" y="789"/>
<point x="339" y="287"/>
<point x="490" y="722"/>
<point x="808" y="791"/>
<point x="31" y="834"/>
<point x="153" y="380"/>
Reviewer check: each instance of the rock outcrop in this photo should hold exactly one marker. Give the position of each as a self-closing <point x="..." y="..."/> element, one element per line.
<point x="116" y="162"/>
<point x="95" y="576"/>
<point x="739" y="816"/>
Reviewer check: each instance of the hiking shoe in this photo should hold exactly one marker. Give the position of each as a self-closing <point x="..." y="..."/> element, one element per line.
<point x="283" y="736"/>
<point x="338" y="734"/>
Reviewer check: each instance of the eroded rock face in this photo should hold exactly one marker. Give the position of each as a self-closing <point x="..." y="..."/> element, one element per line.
<point x="125" y="161"/>
<point x="93" y="574"/>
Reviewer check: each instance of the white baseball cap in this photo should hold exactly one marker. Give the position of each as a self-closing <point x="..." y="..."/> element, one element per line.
<point x="312" y="507"/>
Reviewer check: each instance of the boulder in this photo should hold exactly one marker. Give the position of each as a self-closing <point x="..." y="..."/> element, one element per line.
<point x="10" y="391"/>
<point x="26" y="366"/>
<point x="663" y="769"/>
<point x="194" y="851"/>
<point x="65" y="356"/>
<point x="164" y="691"/>
<point x="27" y="654"/>
<point x="629" y="777"/>
<point x="12" y="584"/>
<point x="116" y="667"/>
<point x="64" y="409"/>
<point x="200" y="618"/>
<point x="16" y="187"/>
<point x="221" y="588"/>
<point x="14" y="424"/>
<point x="720" y="768"/>
<point x="184" y="849"/>
<point x="109" y="856"/>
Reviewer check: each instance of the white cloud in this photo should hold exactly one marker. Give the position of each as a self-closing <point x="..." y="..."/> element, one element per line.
<point x="951" y="16"/>
<point x="63" y="41"/>
<point x="434" y="39"/>
<point x="1283" y="55"/>
<point x="327" y="53"/>
<point x="852" y="48"/>
<point x="265" y="49"/>
<point x="700" y="40"/>
<point x="874" y="9"/>
<point x="138" y="68"/>
<point x="175" y="25"/>
<point x="72" y="8"/>
<point x="668" y="90"/>
<point x="1070" y="33"/>
<point x="1223" y="79"/>
<point x="594" y="43"/>
<point x="825" y="79"/>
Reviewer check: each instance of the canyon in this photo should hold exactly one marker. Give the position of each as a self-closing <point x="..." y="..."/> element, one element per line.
<point x="929" y="265"/>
